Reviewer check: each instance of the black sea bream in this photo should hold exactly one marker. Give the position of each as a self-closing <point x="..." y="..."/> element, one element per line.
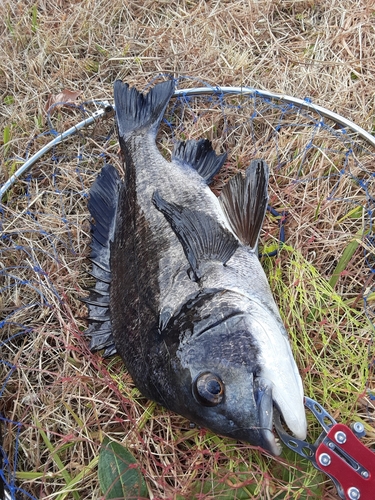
<point x="180" y="293"/>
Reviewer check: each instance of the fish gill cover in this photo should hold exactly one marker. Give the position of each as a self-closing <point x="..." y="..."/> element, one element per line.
<point x="59" y="401"/>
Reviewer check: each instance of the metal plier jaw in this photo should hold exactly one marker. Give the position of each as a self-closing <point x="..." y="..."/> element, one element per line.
<point x="338" y="453"/>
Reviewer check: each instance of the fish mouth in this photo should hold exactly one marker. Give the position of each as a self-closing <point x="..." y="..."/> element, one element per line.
<point x="265" y="405"/>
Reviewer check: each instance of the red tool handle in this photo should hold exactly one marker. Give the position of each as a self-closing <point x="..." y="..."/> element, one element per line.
<point x="346" y="459"/>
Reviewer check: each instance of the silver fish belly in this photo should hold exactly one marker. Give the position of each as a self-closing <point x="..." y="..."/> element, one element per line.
<point x="180" y="293"/>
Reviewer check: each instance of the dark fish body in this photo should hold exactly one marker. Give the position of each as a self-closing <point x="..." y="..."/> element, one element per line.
<point x="180" y="292"/>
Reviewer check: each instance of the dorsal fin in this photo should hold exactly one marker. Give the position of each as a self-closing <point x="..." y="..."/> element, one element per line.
<point x="244" y="201"/>
<point x="103" y="207"/>
<point x="202" y="237"/>
<point x="200" y="156"/>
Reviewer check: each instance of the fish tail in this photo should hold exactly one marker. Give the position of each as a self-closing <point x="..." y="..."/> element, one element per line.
<point x="103" y="208"/>
<point x="137" y="112"/>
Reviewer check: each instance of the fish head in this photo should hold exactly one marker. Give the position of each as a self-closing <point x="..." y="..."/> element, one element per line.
<point x="224" y="390"/>
<point x="232" y="372"/>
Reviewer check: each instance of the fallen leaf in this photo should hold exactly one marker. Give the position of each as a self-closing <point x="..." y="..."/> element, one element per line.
<point x="62" y="98"/>
<point x="119" y="473"/>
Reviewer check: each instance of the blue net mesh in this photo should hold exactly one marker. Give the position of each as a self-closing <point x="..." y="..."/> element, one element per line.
<point x="322" y="176"/>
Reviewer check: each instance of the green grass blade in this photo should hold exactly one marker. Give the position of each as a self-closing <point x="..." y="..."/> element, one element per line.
<point x="34" y="18"/>
<point x="69" y="487"/>
<point x="6" y="139"/>
<point x="149" y="410"/>
<point x="64" y="473"/>
<point x="30" y="476"/>
<point x="345" y="259"/>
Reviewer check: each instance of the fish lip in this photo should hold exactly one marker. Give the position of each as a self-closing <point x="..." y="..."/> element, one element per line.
<point x="265" y="405"/>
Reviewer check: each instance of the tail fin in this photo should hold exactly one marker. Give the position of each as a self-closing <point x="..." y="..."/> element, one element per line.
<point x="137" y="112"/>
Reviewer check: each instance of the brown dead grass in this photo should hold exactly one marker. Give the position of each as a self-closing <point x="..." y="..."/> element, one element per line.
<point x="322" y="50"/>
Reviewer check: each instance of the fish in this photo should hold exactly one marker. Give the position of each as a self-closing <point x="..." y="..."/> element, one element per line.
<point x="180" y="293"/>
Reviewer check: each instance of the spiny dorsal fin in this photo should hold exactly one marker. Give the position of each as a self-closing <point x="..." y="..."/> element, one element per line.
<point x="244" y="201"/>
<point x="136" y="111"/>
<point x="103" y="208"/>
<point x="200" y="156"/>
<point x="100" y="335"/>
<point x="202" y="237"/>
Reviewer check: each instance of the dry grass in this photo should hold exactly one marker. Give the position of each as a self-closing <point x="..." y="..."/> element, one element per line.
<point x="68" y="399"/>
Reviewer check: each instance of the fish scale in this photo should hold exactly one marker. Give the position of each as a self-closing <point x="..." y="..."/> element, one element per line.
<point x="184" y="184"/>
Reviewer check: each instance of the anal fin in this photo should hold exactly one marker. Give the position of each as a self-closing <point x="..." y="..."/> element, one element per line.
<point x="200" y="156"/>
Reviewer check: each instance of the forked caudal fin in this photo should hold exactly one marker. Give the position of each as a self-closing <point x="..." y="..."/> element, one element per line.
<point x="244" y="201"/>
<point x="137" y="112"/>
<point x="103" y="207"/>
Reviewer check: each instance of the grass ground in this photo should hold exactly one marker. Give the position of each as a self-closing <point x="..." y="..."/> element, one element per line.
<point x="66" y="399"/>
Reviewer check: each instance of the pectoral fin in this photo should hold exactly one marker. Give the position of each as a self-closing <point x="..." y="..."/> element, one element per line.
<point x="202" y="237"/>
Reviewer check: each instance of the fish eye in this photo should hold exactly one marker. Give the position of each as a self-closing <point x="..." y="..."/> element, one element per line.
<point x="208" y="389"/>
